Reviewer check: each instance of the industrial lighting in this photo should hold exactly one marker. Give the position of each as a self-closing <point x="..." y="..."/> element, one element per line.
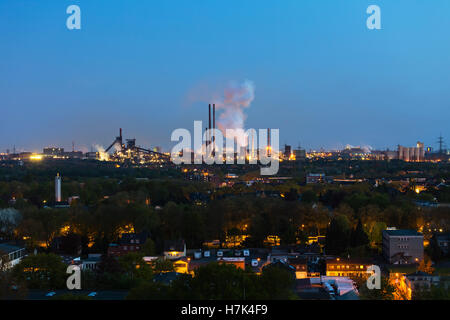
<point x="36" y="157"/>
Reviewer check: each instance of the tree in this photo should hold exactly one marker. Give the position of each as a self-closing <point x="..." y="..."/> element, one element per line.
<point x="309" y="196"/>
<point x="275" y="284"/>
<point x="440" y="292"/>
<point x="149" y="247"/>
<point x="288" y="231"/>
<point x="433" y="250"/>
<point x="338" y="235"/>
<point x="41" y="271"/>
<point x="426" y="266"/>
<point x="9" y="220"/>
<point x="358" y="236"/>
<point x="71" y="243"/>
<point x="386" y="292"/>
<point x="376" y="233"/>
<point x="292" y="195"/>
<point x="135" y="267"/>
<point x="163" y="265"/>
<point x="10" y="288"/>
<point x="218" y="282"/>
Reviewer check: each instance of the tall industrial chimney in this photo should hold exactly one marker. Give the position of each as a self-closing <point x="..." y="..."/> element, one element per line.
<point x="58" y="188"/>
<point x="209" y="125"/>
<point x="268" y="142"/>
<point x="214" y="127"/>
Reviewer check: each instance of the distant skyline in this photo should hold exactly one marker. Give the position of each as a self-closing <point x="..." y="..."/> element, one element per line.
<point x="149" y="67"/>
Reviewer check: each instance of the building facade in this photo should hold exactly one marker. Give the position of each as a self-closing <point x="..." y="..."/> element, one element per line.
<point x="402" y="246"/>
<point x="340" y="267"/>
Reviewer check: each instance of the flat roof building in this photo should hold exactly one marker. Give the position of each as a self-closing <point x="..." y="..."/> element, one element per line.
<point x="402" y="246"/>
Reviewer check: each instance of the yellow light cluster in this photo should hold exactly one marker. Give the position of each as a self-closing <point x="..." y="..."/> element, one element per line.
<point x="36" y="157"/>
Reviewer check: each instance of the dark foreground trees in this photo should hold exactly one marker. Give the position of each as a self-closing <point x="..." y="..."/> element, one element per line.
<point x="41" y="271"/>
<point x="221" y="282"/>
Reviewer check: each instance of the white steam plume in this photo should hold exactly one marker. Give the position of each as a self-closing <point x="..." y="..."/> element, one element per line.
<point x="237" y="97"/>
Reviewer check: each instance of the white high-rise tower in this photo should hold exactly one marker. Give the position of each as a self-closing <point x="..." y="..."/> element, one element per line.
<point x="58" y="188"/>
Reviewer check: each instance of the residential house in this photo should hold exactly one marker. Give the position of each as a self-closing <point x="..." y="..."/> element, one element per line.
<point x="174" y="249"/>
<point x="128" y="242"/>
<point x="301" y="267"/>
<point x="418" y="281"/>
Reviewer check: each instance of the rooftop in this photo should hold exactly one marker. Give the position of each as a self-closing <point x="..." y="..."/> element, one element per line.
<point x="402" y="232"/>
<point x="8" y="247"/>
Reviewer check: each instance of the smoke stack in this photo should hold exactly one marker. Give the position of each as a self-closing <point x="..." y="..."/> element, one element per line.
<point x="209" y="124"/>
<point x="120" y="133"/>
<point x="268" y="142"/>
<point x="214" y="126"/>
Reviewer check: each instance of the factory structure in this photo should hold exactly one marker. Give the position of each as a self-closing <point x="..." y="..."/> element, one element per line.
<point x="246" y="153"/>
<point x="126" y="152"/>
<point x="129" y="152"/>
<point x="416" y="153"/>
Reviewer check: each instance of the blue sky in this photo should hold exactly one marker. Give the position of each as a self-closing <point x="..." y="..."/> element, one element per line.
<point x="150" y="67"/>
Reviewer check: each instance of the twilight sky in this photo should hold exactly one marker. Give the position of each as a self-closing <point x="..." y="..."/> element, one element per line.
<point x="150" y="67"/>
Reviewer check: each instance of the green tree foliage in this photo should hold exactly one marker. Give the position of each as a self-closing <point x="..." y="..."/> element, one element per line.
<point x="135" y="268"/>
<point x="386" y="292"/>
<point x="358" y="236"/>
<point x="338" y="235"/>
<point x="41" y="271"/>
<point x="426" y="266"/>
<point x="10" y="287"/>
<point x="376" y="232"/>
<point x="220" y="282"/>
<point x="148" y="249"/>
<point x="71" y="243"/>
<point x="274" y="284"/>
<point x="163" y="265"/>
<point x="440" y="292"/>
<point x="433" y="250"/>
<point x="309" y="196"/>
